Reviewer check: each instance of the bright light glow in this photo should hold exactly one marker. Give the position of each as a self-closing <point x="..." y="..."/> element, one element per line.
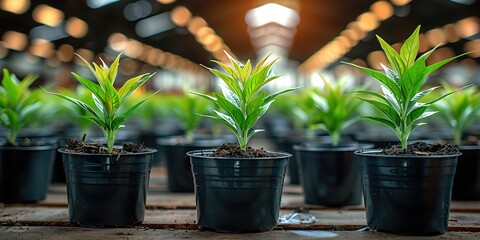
<point x="423" y="43"/>
<point x="468" y="27"/>
<point x="464" y="2"/>
<point x="203" y="33"/>
<point x="85" y="53"/>
<point x="3" y="50"/>
<point x="451" y="33"/>
<point x="435" y="37"/>
<point x="48" y="33"/>
<point x="196" y="24"/>
<point x="382" y="10"/>
<point x="473" y="47"/>
<point x="15" y="6"/>
<point x="76" y="27"/>
<point x="136" y="10"/>
<point x="154" y="25"/>
<point x="65" y="53"/>
<point x="15" y="40"/>
<point x="375" y="58"/>
<point x="400" y="2"/>
<point x="117" y="42"/>
<point x="272" y="13"/>
<point x="166" y="1"/>
<point x="99" y="3"/>
<point x="181" y="15"/>
<point x="269" y="30"/>
<point x="47" y="15"/>
<point x="41" y="48"/>
<point x="367" y="22"/>
<point x="133" y="48"/>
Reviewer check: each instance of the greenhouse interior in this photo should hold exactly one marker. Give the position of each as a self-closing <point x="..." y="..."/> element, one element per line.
<point x="252" y="119"/>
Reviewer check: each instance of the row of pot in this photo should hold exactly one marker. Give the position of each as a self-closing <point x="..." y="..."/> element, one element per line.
<point x="330" y="179"/>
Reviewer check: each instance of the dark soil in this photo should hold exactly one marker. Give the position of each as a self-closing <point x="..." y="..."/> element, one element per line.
<point x="26" y="142"/>
<point x="80" y="146"/>
<point x="233" y="150"/>
<point x="423" y="149"/>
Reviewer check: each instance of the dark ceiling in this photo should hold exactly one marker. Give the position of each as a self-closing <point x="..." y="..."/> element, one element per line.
<point x="320" y="22"/>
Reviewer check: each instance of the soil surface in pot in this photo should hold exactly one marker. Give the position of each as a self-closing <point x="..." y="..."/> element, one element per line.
<point x="423" y="149"/>
<point x="80" y="146"/>
<point x="26" y="142"/>
<point x="233" y="150"/>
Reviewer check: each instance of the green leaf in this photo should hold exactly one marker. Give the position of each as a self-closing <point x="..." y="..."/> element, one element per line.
<point x="383" y="121"/>
<point x="386" y="81"/>
<point x="273" y="95"/>
<point x="94" y="88"/>
<point x="409" y="50"/>
<point x="393" y="57"/>
<point x="131" y="85"/>
<point x="112" y="73"/>
<point x="78" y="103"/>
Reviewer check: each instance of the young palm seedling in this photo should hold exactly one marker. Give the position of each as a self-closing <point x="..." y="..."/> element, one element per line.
<point x="17" y="104"/>
<point x="401" y="84"/>
<point x="336" y="106"/>
<point x="243" y="98"/>
<point x="459" y="111"/>
<point x="108" y="101"/>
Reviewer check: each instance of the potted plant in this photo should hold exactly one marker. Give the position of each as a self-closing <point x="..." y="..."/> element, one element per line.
<point x="459" y="112"/>
<point x="239" y="188"/>
<point x="300" y="110"/>
<point x="70" y="116"/>
<point x="106" y="184"/>
<point x="25" y="165"/>
<point x="406" y="187"/>
<point x="173" y="149"/>
<point x="328" y="170"/>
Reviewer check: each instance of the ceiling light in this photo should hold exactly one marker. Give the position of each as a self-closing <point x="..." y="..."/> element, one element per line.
<point x="464" y="2"/>
<point x="99" y="3"/>
<point x="15" y="40"/>
<point x="15" y="6"/>
<point x="400" y="2"/>
<point x="181" y="16"/>
<point x="382" y="10"/>
<point x="196" y="24"/>
<point x="204" y="32"/>
<point x="65" y="53"/>
<point x="367" y="22"/>
<point x="47" y="15"/>
<point x="468" y="27"/>
<point x="85" y="54"/>
<point x="450" y="33"/>
<point x="76" y="27"/>
<point x="435" y="37"/>
<point x="165" y="1"/>
<point x="272" y="13"/>
<point x="48" y="33"/>
<point x="137" y="10"/>
<point x="473" y="47"/>
<point x="154" y="25"/>
<point x="3" y="50"/>
<point x="41" y="48"/>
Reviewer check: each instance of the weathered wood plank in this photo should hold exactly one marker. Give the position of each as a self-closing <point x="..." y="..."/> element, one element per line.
<point x="160" y="198"/>
<point x="73" y="233"/>
<point x="186" y="219"/>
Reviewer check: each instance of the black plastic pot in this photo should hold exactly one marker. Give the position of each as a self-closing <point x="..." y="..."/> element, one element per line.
<point x="329" y="175"/>
<point x="238" y="194"/>
<point x="407" y="195"/>
<point x="466" y="186"/>
<point x="179" y="169"/>
<point x="107" y="190"/>
<point x="25" y="173"/>
<point x="286" y="144"/>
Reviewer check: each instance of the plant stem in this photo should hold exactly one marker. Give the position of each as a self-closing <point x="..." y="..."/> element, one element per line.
<point x="243" y="140"/>
<point x="110" y="140"/>
<point x="12" y="135"/>
<point x="335" y="138"/>
<point x="457" y="136"/>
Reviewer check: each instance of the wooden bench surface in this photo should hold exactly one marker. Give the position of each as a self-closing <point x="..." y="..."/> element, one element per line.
<point x="173" y="216"/>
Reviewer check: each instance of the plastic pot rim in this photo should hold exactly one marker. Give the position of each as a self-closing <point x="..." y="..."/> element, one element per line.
<point x="331" y="148"/>
<point x="205" y="153"/>
<point x="375" y="153"/>
<point x="151" y="150"/>
<point x="32" y="148"/>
